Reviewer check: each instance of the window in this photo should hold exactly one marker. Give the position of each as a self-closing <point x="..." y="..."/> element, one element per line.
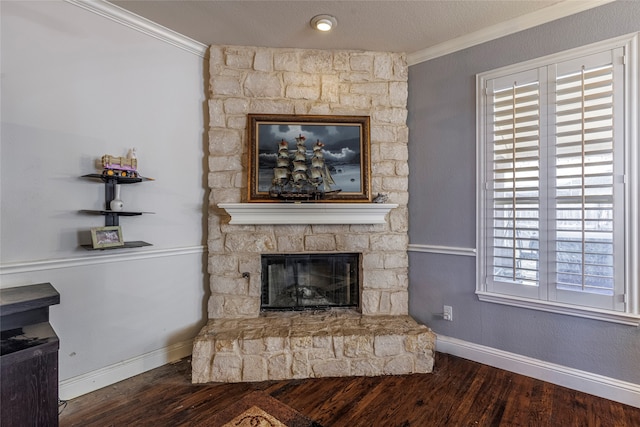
<point x="558" y="183"/>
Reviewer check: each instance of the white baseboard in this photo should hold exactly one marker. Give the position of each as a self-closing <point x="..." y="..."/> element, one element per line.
<point x="91" y="381"/>
<point x="587" y="382"/>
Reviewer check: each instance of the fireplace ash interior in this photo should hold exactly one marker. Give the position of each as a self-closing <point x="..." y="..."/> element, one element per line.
<point x="310" y="281"/>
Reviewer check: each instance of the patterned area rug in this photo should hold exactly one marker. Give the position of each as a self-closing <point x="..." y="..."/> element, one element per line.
<point x="258" y="409"/>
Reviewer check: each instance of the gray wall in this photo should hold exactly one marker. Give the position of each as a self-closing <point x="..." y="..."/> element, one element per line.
<point x="75" y="86"/>
<point x="442" y="204"/>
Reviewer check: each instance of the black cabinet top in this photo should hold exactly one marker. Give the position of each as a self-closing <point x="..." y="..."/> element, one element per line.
<point x="24" y="298"/>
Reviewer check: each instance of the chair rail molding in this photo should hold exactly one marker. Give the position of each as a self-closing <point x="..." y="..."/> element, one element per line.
<point x="121" y="256"/>
<point x="443" y="250"/>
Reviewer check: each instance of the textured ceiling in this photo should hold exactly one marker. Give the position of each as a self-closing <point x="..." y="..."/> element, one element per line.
<point x="395" y="26"/>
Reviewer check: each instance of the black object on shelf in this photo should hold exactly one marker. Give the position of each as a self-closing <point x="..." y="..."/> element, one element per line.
<point x="29" y="356"/>
<point x="112" y="218"/>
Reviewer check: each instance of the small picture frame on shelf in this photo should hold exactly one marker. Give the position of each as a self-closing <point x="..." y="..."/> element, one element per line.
<point x="106" y="237"/>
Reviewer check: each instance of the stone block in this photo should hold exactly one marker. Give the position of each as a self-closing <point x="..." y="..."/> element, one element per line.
<point x="272" y="106"/>
<point x="236" y="105"/>
<point x="249" y="242"/>
<point x="358" y="346"/>
<point x="274" y="343"/>
<point x="230" y="285"/>
<point x="330" y="89"/>
<point x="388" y="345"/>
<point x="393" y="183"/>
<point x="316" y="61"/>
<point x="252" y="346"/>
<point x="367" y="367"/>
<point x="319" y="243"/>
<point x="389" y="242"/>
<point x="223" y="264"/>
<point x="330" y="368"/>
<point x="423" y="364"/>
<point x="225" y="86"/>
<point x="399" y="303"/>
<point x="390" y="115"/>
<point x="226" y="368"/>
<point x="380" y="279"/>
<point x="216" y="113"/>
<point x="201" y="360"/>
<point x="286" y="61"/>
<point x="352" y="242"/>
<point x="238" y="306"/>
<point x="361" y="62"/>
<point x="279" y="366"/>
<point x="239" y="57"/>
<point x="254" y="368"/>
<point x="356" y="100"/>
<point x="383" y="67"/>
<point x="398" y="94"/>
<point x="263" y="85"/>
<point x="300" y="365"/>
<point x="400" y="68"/>
<point x="374" y="88"/>
<point x="399" y="220"/>
<point x="398" y="365"/>
<point x="370" y="302"/>
<point x="290" y="243"/>
<point x="384" y="307"/>
<point x="302" y="92"/>
<point x="301" y="79"/>
<point x="301" y="342"/>
<point x="219" y="179"/>
<point x="263" y="60"/>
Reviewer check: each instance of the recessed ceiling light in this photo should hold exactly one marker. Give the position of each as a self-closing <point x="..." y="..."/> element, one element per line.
<point x="323" y="22"/>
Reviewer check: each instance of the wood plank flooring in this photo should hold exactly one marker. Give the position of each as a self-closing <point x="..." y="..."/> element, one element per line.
<point x="458" y="393"/>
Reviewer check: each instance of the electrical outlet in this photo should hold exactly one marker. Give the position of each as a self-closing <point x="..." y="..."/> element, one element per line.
<point x="448" y="313"/>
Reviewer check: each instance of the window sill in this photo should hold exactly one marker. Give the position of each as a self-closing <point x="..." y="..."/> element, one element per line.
<point x="558" y="308"/>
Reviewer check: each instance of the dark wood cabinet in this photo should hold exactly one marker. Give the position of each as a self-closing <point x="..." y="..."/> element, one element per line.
<point x="29" y="359"/>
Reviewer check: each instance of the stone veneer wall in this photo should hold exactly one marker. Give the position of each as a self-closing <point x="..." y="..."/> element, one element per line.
<point x="257" y="80"/>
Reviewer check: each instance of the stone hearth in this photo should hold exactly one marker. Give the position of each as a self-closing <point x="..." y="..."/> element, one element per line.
<point x="277" y="346"/>
<point x="240" y="343"/>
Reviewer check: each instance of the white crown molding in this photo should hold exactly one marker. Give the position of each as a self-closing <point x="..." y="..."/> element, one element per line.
<point x="94" y="380"/>
<point x="539" y="17"/>
<point x="445" y="250"/>
<point x="138" y="23"/>
<point x="108" y="257"/>
<point x="587" y="382"/>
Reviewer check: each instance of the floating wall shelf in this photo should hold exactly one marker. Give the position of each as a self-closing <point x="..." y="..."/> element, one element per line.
<point x="307" y="213"/>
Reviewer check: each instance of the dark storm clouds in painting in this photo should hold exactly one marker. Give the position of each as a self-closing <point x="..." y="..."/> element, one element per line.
<point x="342" y="151"/>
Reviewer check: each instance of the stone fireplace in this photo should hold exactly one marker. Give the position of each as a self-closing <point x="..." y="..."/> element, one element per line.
<point x="241" y="341"/>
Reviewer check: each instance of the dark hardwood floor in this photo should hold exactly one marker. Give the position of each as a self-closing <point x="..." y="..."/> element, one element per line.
<point x="458" y="393"/>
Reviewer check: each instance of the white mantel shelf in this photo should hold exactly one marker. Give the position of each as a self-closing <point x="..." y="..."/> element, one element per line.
<point x="307" y="213"/>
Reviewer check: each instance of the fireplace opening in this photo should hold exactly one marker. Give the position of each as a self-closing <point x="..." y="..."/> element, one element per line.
<point x="310" y="281"/>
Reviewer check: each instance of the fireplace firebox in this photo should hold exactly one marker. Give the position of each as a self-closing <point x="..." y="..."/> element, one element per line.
<point x="310" y="281"/>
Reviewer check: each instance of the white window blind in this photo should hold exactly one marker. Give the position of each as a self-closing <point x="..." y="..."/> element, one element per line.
<point x="552" y="170"/>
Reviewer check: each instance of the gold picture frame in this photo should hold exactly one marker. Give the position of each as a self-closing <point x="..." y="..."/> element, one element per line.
<point x="106" y="237"/>
<point x="337" y="159"/>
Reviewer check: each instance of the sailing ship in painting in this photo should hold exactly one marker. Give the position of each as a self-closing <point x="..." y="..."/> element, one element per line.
<point x="298" y="175"/>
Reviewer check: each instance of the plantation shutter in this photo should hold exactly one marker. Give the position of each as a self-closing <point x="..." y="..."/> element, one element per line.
<point x="587" y="178"/>
<point x="554" y="182"/>
<point x="515" y="156"/>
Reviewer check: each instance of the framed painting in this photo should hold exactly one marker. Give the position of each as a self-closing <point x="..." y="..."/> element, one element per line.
<point x="300" y="158"/>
